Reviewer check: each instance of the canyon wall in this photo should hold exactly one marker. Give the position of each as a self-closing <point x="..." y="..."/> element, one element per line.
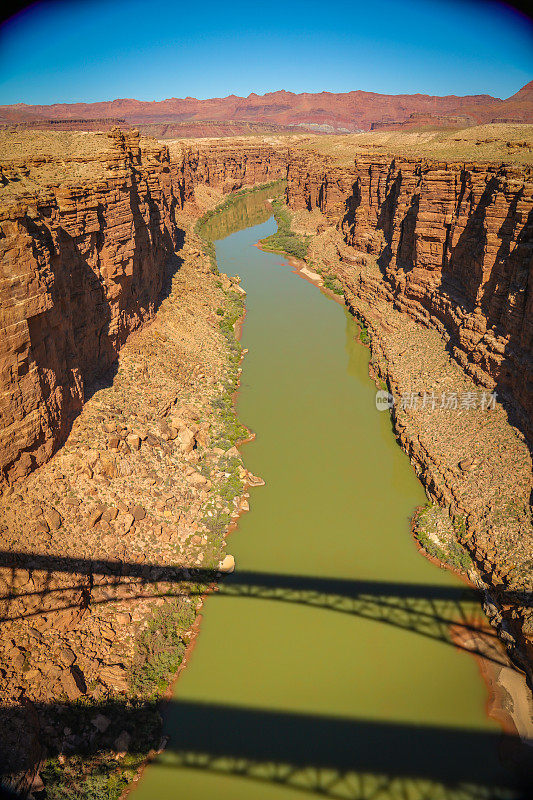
<point x="83" y="254"/>
<point x="82" y="265"/>
<point x="454" y="244"/>
<point x="226" y="167"/>
<point x="83" y="258"/>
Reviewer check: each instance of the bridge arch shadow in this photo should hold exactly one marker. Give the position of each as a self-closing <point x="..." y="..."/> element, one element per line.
<point x="449" y="614"/>
<point x="334" y="757"/>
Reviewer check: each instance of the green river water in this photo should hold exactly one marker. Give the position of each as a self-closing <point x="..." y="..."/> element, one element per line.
<point x="335" y="686"/>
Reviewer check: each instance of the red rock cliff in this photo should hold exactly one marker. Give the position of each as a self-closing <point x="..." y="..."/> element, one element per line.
<point x="86" y="233"/>
<point x="82" y="265"/>
<point x="455" y="246"/>
<point x="83" y="259"/>
<point x="226" y="166"/>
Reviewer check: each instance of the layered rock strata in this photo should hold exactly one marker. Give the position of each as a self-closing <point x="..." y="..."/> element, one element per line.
<point x="454" y="245"/>
<point x="453" y="240"/>
<point x="435" y="259"/>
<point x="226" y="167"/>
<point x="82" y="257"/>
<point x="85" y="248"/>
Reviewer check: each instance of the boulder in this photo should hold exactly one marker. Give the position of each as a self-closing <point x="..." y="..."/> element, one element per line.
<point x="197" y="479"/>
<point x="122" y="743"/>
<point x="73" y="683"/>
<point x="134" y="441"/>
<point x="101" y="723"/>
<point x="53" y="518"/>
<point x="187" y="440"/>
<point x="138" y="512"/>
<point x="95" y="516"/>
<point x="108" y="465"/>
<point x="227" y="564"/>
<point x="178" y="423"/>
<point x="66" y="656"/>
<point x="127" y="522"/>
<point x="110" y="514"/>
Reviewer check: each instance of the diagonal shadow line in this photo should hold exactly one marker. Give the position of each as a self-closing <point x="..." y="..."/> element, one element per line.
<point x="252" y="584"/>
<point x="347" y="586"/>
<point x="420" y="606"/>
<point x="342" y="785"/>
<point x="441" y="634"/>
<point x="305" y="749"/>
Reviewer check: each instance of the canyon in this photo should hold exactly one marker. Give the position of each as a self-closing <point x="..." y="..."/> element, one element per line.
<point x="430" y="237"/>
<point x="453" y="242"/>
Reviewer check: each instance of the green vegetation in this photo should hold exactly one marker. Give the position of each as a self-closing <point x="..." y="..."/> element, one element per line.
<point x="332" y="283"/>
<point x="96" y="774"/>
<point x="229" y="430"/>
<point x="71" y="781"/>
<point x="284" y="240"/>
<point x="438" y="535"/>
<point x="459" y="528"/>
<point x="364" y="334"/>
<point x="206" y="222"/>
<point x="159" y="648"/>
<point x="216" y="519"/>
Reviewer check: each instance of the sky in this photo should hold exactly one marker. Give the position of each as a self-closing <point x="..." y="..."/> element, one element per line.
<point x="90" y="50"/>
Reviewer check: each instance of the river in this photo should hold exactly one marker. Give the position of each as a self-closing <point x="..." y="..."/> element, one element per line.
<point x="341" y="682"/>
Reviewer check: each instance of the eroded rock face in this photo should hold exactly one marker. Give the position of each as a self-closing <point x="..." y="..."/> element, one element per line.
<point x="455" y="248"/>
<point x="226" y="166"/>
<point x="82" y="265"/>
<point x="83" y="259"/>
<point x="86" y="234"/>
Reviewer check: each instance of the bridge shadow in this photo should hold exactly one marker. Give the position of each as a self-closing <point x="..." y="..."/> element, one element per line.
<point x="37" y="586"/>
<point x="334" y="757"/>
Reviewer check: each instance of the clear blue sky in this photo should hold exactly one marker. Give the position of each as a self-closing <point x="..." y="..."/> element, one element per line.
<point x="93" y="50"/>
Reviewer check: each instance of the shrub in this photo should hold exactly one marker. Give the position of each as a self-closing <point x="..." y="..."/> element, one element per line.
<point x="284" y="240"/>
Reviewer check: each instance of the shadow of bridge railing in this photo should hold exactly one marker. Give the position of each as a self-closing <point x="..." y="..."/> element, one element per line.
<point x="40" y="585"/>
<point x="334" y="757"/>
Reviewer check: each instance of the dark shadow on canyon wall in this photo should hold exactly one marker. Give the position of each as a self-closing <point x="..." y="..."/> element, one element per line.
<point x="72" y="345"/>
<point x="502" y="299"/>
<point x="451" y="615"/>
<point x="387" y="213"/>
<point x="505" y="302"/>
<point x="336" y="757"/>
<point x="407" y="240"/>
<point x="462" y="266"/>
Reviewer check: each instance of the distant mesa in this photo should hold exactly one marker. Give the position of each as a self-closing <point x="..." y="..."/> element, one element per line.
<point x="281" y="111"/>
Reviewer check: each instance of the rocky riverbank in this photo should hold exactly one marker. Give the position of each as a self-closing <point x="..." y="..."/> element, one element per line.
<point x="119" y="469"/>
<point x="99" y="542"/>
<point x="474" y="465"/>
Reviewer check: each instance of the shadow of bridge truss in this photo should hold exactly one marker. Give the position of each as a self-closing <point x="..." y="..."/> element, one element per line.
<point x="334" y="757"/>
<point x="449" y="614"/>
<point x="330" y="757"/>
